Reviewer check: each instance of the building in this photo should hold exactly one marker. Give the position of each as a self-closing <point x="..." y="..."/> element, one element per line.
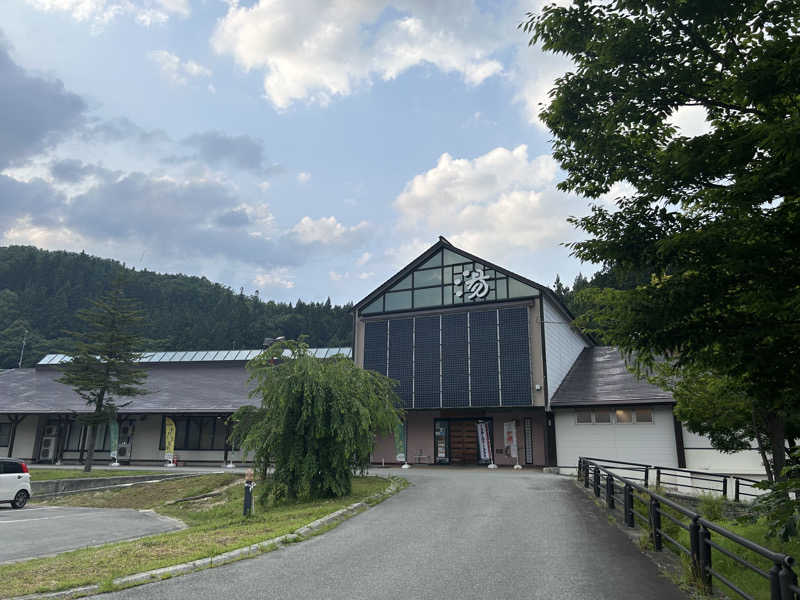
<point x="198" y="390"/>
<point x="474" y="345"/>
<point x="488" y="366"/>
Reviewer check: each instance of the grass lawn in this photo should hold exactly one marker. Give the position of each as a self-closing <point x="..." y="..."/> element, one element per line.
<point x="48" y="474"/>
<point x="215" y="525"/>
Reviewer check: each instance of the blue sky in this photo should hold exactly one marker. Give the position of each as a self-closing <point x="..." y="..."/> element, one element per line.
<point x="305" y="149"/>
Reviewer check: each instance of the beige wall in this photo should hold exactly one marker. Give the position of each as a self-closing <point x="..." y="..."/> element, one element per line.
<point x="23" y="441"/>
<point x="420" y="435"/>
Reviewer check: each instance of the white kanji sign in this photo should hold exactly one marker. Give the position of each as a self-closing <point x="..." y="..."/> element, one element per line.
<point x="472" y="281"/>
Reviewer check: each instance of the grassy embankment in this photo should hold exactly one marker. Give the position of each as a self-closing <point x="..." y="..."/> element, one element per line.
<point x="50" y="474"/>
<point x="214" y="525"/>
<point x="749" y="581"/>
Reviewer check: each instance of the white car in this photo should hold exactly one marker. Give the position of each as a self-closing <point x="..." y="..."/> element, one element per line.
<point x="15" y="482"/>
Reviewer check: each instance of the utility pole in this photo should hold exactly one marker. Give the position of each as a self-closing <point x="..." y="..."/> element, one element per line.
<point x="22" y="352"/>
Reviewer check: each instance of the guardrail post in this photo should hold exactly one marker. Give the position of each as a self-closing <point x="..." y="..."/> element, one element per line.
<point x="628" y="506"/>
<point x="705" y="559"/>
<point x="609" y="492"/>
<point x="646" y="476"/>
<point x="787" y="579"/>
<point x="694" y="546"/>
<point x="597" y="481"/>
<point x="658" y="477"/>
<point x="655" y="524"/>
<point x="580" y="467"/>
<point x="775" y="582"/>
<point x="725" y="488"/>
<point x="736" y="490"/>
<point x="586" y="474"/>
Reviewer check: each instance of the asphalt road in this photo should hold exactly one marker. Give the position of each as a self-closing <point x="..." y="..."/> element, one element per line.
<point x="40" y="531"/>
<point x="455" y="533"/>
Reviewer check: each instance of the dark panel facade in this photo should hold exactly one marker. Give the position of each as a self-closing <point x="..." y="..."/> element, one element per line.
<point x="455" y="378"/>
<point x="401" y="357"/>
<point x="515" y="364"/>
<point x="375" y="346"/>
<point x="483" y="358"/>
<point x="426" y="362"/>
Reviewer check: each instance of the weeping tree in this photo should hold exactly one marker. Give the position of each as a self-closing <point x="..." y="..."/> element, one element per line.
<point x="317" y="422"/>
<point x="103" y="366"/>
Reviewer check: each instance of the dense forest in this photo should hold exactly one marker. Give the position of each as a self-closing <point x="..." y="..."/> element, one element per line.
<point x="40" y="292"/>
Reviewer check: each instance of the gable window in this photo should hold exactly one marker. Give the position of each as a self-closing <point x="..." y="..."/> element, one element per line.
<point x="445" y="279"/>
<point x="644" y="415"/>
<point x="624" y="415"/>
<point x="583" y="417"/>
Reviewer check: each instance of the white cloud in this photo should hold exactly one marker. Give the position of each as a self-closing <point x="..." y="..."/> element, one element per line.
<point x="326" y="230"/>
<point x="304" y="177"/>
<point x="334" y="276"/>
<point x="177" y="70"/>
<point x="313" y="50"/>
<point x="690" y="121"/>
<point x="502" y="201"/>
<point x="102" y="12"/>
<point x="278" y="277"/>
<point x="363" y="259"/>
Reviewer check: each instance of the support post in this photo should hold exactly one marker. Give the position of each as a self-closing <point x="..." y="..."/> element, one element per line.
<point x="609" y="492"/>
<point x="725" y="488"/>
<point x="646" y="476"/>
<point x="736" y="490"/>
<point x="597" y="481"/>
<point x="585" y="474"/>
<point x="658" y="477"/>
<point x="628" y="506"/>
<point x="705" y="559"/>
<point x="655" y="524"/>
<point x="787" y="578"/>
<point x="694" y="546"/>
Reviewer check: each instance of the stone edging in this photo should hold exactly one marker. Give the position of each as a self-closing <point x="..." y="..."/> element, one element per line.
<point x="220" y="559"/>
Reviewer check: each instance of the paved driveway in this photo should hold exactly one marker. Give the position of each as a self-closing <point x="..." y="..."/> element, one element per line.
<point x="455" y="533"/>
<point x="40" y="530"/>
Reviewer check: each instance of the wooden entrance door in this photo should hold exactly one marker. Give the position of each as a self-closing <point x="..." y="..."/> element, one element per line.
<point x="463" y="442"/>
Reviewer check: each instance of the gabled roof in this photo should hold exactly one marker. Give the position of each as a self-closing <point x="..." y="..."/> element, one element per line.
<point x="600" y="377"/>
<point x="444" y="244"/>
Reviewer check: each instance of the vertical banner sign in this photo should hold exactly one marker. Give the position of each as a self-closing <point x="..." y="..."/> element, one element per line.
<point x="483" y="440"/>
<point x="169" y="439"/>
<point x="510" y="435"/>
<point x="113" y="428"/>
<point x="400" y="442"/>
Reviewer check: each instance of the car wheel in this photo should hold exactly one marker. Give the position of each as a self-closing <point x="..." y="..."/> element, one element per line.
<point x="21" y="499"/>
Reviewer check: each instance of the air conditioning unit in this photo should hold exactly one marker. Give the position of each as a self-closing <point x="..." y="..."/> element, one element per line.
<point x="48" y="449"/>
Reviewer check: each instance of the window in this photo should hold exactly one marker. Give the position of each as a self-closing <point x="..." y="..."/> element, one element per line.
<point x="602" y="415"/>
<point x="644" y="415"/>
<point x="101" y="441"/>
<point x="398" y="300"/>
<point x="5" y="434"/>
<point x="624" y="415"/>
<point x="73" y="438"/>
<point x="583" y="416"/>
<point x="10" y="467"/>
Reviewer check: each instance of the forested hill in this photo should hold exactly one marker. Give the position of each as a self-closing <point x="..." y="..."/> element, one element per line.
<point x="40" y="291"/>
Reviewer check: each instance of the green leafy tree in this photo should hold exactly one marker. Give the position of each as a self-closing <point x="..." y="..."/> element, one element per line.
<point x="712" y="218"/>
<point x="317" y="422"/>
<point x="103" y="366"/>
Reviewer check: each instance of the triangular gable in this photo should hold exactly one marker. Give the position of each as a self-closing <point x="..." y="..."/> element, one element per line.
<point x="445" y="276"/>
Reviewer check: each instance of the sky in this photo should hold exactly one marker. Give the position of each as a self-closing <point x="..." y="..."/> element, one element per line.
<point x="300" y="148"/>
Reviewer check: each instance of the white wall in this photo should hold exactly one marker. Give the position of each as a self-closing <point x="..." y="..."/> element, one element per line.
<point x="649" y="443"/>
<point x="700" y="456"/>
<point x="562" y="345"/>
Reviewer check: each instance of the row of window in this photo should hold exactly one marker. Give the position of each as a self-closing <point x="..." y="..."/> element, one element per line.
<point x="197" y="433"/>
<point x="607" y="416"/>
<point x="75" y="433"/>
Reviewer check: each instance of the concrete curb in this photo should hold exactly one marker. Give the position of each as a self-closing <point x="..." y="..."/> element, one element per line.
<point x="226" y="557"/>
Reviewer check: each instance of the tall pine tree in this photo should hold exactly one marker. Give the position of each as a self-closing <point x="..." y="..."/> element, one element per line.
<point x="103" y="366"/>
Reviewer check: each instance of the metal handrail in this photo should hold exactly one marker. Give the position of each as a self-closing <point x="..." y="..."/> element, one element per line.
<point x="781" y="578"/>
